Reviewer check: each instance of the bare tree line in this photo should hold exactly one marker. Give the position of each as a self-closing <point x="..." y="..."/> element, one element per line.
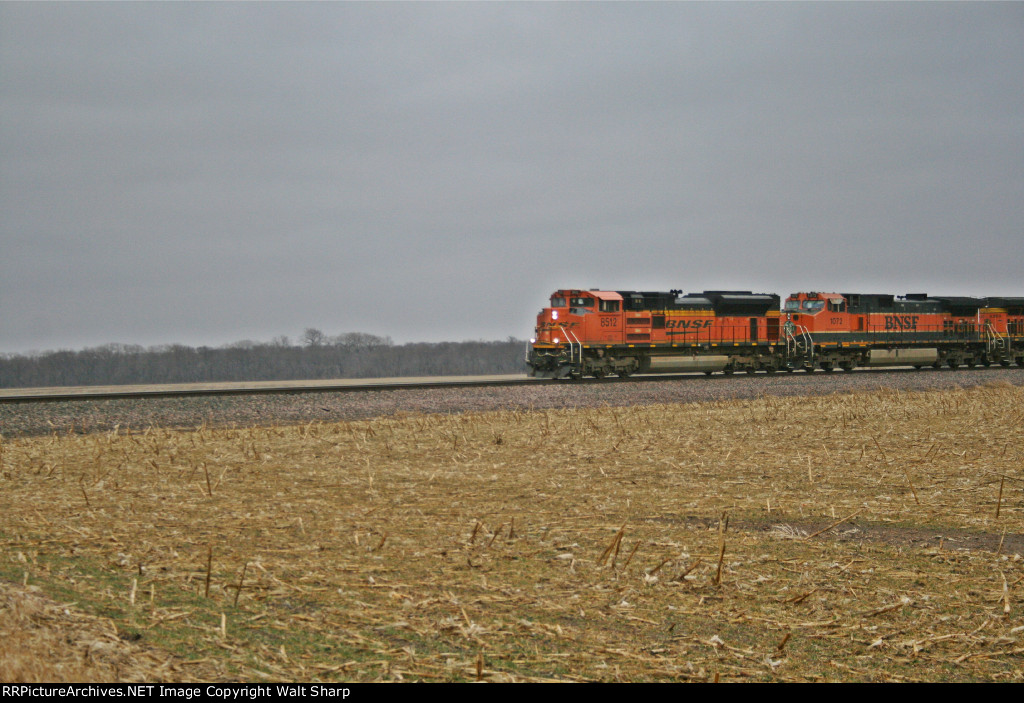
<point x="350" y="355"/>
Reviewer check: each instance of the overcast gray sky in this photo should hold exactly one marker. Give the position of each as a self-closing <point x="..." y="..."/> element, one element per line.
<point x="203" y="173"/>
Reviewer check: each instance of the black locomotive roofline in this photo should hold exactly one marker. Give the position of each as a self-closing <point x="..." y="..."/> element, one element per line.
<point x="960" y="306"/>
<point x="724" y="303"/>
<point x="1014" y="306"/>
<point x="745" y="302"/>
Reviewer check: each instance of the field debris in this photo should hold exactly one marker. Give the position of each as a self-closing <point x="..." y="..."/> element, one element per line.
<point x="869" y="536"/>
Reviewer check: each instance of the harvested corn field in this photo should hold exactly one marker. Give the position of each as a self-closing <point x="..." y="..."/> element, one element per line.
<point x="861" y="537"/>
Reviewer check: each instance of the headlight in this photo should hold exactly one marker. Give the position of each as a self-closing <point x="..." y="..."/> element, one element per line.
<point x="554" y="314"/>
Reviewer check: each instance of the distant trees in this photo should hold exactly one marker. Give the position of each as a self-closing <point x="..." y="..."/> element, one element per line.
<point x="313" y="337"/>
<point x="349" y="355"/>
<point x="361" y="340"/>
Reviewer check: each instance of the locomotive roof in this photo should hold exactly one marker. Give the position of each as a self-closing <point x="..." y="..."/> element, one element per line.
<point x="599" y="294"/>
<point x="865" y="301"/>
<point x="1005" y="302"/>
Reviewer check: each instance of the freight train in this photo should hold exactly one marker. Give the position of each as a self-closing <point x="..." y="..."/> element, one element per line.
<point x="600" y="333"/>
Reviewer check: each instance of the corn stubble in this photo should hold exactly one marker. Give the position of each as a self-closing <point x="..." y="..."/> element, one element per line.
<point x="768" y="539"/>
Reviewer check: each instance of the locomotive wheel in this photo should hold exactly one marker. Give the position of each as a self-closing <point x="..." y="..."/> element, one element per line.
<point x="728" y="370"/>
<point x="770" y="369"/>
<point x="971" y="363"/>
<point x="809" y="369"/>
<point x="751" y="370"/>
<point x="1004" y="362"/>
<point x="937" y="365"/>
<point x="953" y="363"/>
<point x="847" y="365"/>
<point x="597" y="373"/>
<point x="827" y="366"/>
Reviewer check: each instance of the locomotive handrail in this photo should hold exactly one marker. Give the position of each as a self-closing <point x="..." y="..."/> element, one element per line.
<point x="792" y="344"/>
<point x="723" y="334"/>
<point x="994" y="340"/>
<point x="940" y="333"/>
<point x="809" y="341"/>
<point x="572" y="353"/>
<point x="787" y="331"/>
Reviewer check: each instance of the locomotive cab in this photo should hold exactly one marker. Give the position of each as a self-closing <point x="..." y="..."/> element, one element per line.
<point x="574" y="318"/>
<point x="576" y="315"/>
<point x="812" y="317"/>
<point x="805" y="307"/>
<point x="820" y="312"/>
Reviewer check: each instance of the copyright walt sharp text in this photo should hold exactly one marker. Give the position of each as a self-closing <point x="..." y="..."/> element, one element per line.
<point x="223" y="692"/>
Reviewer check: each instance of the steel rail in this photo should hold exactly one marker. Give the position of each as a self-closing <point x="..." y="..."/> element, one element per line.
<point x="83" y="393"/>
<point x="80" y="393"/>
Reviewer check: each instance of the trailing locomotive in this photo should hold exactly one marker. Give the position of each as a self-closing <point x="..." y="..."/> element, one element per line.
<point x="600" y="333"/>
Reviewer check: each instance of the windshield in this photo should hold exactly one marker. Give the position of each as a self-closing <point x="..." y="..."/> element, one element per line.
<point x="808" y="306"/>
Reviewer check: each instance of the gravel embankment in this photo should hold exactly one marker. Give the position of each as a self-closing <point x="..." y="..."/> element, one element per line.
<point x="19" y="419"/>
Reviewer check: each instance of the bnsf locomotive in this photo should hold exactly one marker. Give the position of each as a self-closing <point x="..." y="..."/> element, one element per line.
<point x="598" y="333"/>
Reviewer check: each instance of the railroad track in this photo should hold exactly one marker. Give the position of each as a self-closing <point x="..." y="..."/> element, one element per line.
<point x="186" y="390"/>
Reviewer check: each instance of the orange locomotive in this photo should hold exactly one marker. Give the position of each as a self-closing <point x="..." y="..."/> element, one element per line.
<point x="849" y="330"/>
<point x="598" y="333"/>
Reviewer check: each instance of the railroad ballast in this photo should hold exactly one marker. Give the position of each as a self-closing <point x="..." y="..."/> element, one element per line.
<point x="598" y="333"/>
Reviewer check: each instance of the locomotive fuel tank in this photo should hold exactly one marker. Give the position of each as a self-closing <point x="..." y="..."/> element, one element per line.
<point x="684" y="364"/>
<point x="902" y="357"/>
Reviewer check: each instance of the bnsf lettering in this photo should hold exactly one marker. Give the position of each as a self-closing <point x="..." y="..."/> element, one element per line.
<point x="901" y="322"/>
<point x="687" y="324"/>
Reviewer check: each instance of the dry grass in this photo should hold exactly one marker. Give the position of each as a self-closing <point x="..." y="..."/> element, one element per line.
<point x="767" y="539"/>
<point x="46" y="642"/>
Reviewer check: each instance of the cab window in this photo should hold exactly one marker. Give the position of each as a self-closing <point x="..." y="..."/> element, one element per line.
<point x="813" y="306"/>
<point x="792" y="305"/>
<point x="582" y="302"/>
<point x="609" y="306"/>
<point x="557" y="302"/>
